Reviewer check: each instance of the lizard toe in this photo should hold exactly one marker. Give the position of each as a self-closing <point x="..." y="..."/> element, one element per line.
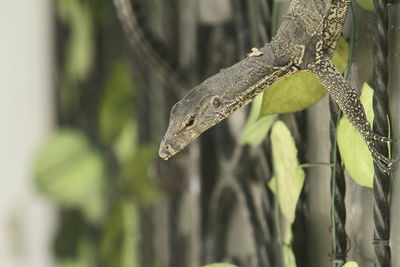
<point x="379" y="157"/>
<point x="394" y="161"/>
<point x="384" y="164"/>
<point x="383" y="139"/>
<point x="385" y="169"/>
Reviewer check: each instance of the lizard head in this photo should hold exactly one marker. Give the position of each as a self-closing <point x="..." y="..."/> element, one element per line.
<point x="195" y="113"/>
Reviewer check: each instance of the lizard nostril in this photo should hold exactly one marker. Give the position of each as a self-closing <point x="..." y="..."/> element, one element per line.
<point x="165" y="152"/>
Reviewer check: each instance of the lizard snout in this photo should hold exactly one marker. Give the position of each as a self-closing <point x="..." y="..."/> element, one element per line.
<point x="165" y="151"/>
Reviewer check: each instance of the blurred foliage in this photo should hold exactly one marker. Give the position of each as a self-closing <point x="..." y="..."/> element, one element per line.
<point x="351" y="264"/>
<point x="366" y="4"/>
<point x="135" y="161"/>
<point x="120" y="237"/>
<point x="220" y="265"/>
<point x="70" y="171"/>
<point x="116" y="103"/>
<point x="94" y="167"/>
<point x="80" y="46"/>
<point x="98" y="172"/>
<point x="256" y="128"/>
<point x="289" y="176"/>
<point x="79" y="52"/>
<point x="135" y="175"/>
<point x="301" y="90"/>
<point x="286" y="184"/>
<point x="85" y="257"/>
<point x="73" y="229"/>
<point x="354" y="152"/>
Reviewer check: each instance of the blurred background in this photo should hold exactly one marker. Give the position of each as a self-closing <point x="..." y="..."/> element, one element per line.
<point x="86" y="87"/>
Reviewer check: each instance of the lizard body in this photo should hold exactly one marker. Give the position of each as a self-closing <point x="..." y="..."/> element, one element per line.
<point x="305" y="41"/>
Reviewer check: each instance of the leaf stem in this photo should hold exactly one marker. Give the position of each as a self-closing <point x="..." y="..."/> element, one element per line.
<point x="315" y="164"/>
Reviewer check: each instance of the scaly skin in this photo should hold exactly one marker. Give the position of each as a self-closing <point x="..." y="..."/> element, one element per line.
<point x="344" y="94"/>
<point x="305" y="41"/>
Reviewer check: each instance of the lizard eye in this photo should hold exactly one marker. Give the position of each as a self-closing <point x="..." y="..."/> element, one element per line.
<point x="189" y="122"/>
<point x="216" y="102"/>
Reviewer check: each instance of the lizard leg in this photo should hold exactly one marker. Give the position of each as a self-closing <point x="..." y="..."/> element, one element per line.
<point x="333" y="24"/>
<point x="348" y="101"/>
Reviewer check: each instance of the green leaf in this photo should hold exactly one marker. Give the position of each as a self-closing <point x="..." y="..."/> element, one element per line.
<point x="351" y="264"/>
<point x="85" y="257"/>
<point x="119" y="243"/>
<point x="353" y="150"/>
<point x="220" y="265"/>
<point x="126" y="143"/>
<point x="117" y="102"/>
<point x="289" y="258"/>
<point x="291" y="94"/>
<point x="79" y="52"/>
<point x="366" y="4"/>
<point x="80" y="45"/>
<point x="70" y="171"/>
<point x="341" y="56"/>
<point x="132" y="235"/>
<point x="301" y="90"/>
<point x="111" y="246"/>
<point x="286" y="244"/>
<point x="135" y="174"/>
<point x="256" y="128"/>
<point x="289" y="176"/>
<point x="135" y="161"/>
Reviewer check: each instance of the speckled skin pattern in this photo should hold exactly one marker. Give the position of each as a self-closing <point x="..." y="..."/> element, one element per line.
<point x="305" y="41"/>
<point x="348" y="101"/>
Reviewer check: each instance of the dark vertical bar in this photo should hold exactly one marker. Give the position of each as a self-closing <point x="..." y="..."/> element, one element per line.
<point x="381" y="126"/>
<point x="338" y="191"/>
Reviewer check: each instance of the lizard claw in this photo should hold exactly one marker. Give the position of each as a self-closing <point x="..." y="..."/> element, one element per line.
<point x="383" y="168"/>
<point x="394" y="161"/>
<point x="383" y="139"/>
<point x="385" y="164"/>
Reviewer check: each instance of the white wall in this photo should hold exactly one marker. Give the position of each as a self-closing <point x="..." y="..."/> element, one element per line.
<point x="26" y="120"/>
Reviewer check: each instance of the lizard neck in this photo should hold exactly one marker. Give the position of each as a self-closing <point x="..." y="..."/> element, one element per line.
<point x="239" y="84"/>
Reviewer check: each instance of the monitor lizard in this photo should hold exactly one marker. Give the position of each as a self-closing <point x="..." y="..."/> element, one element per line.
<point x="305" y="41"/>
